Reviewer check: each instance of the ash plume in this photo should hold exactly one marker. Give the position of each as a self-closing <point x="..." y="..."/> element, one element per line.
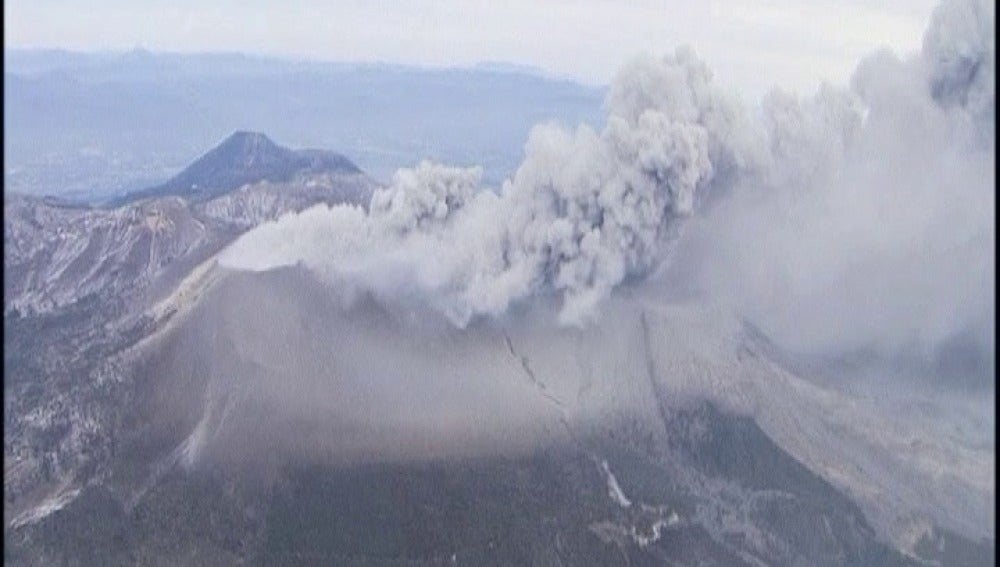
<point x="862" y="216"/>
<point x="874" y="225"/>
<point x="584" y="211"/>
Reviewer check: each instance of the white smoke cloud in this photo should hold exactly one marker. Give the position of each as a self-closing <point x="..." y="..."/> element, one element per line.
<point x="960" y="51"/>
<point x="584" y="211"/>
<point x="875" y="225"/>
<point x="861" y="216"/>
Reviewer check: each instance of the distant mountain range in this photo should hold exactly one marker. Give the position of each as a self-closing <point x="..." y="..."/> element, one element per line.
<point x="94" y="126"/>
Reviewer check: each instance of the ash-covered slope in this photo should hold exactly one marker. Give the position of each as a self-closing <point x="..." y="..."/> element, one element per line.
<point x="274" y="421"/>
<point x="245" y="158"/>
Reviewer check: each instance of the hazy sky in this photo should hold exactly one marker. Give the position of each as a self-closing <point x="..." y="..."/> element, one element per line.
<point x="750" y="44"/>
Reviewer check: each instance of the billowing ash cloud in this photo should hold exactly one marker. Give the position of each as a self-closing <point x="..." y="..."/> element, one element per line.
<point x="857" y="217"/>
<point x="874" y="226"/>
<point x="583" y="212"/>
<point x="960" y="50"/>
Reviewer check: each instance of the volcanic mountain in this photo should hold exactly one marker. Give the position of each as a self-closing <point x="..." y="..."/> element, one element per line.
<point x="218" y="416"/>
<point x="435" y="373"/>
<point x="262" y="419"/>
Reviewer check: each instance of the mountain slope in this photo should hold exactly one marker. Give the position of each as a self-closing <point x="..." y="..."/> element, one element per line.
<point x="317" y="432"/>
<point x="56" y="253"/>
<point x="245" y="158"/>
<point x="78" y="283"/>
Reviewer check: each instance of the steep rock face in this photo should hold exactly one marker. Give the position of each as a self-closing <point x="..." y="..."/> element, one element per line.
<point x="56" y="254"/>
<point x="256" y="203"/>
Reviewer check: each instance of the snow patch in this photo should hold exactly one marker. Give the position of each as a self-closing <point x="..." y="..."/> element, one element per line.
<point x="52" y="504"/>
<point x="614" y="489"/>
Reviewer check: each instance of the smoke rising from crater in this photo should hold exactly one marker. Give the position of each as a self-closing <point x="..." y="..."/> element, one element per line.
<point x="874" y="226"/>
<point x="861" y="216"/>
<point x="584" y="211"/>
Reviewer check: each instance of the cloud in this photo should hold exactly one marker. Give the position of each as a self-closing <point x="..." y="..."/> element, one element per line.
<point x="860" y="217"/>
<point x="583" y="212"/>
<point x="874" y="226"/>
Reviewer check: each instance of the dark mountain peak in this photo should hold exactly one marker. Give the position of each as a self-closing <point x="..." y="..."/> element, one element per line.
<point x="249" y="142"/>
<point x="246" y="136"/>
<point x="242" y="151"/>
<point x="242" y="158"/>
